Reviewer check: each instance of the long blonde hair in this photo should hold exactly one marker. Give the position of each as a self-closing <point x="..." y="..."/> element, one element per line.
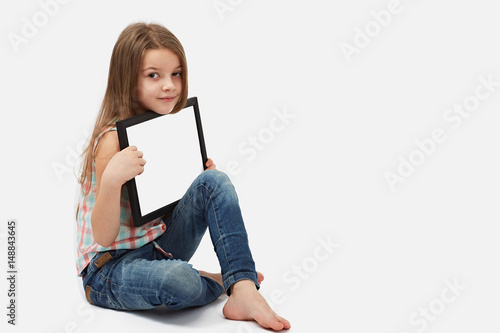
<point x="120" y="100"/>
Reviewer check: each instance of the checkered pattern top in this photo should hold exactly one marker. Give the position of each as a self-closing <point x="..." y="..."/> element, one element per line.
<point x="129" y="237"/>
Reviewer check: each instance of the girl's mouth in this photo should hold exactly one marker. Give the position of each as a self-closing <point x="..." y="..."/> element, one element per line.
<point x="166" y="99"/>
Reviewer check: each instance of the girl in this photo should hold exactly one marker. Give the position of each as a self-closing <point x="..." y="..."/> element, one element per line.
<point x="129" y="268"/>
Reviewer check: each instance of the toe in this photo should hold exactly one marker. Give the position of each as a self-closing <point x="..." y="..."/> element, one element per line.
<point x="283" y="323"/>
<point x="274" y="322"/>
<point x="286" y="324"/>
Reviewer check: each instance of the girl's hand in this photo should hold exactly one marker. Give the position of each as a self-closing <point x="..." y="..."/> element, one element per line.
<point x="210" y="165"/>
<point x="125" y="165"/>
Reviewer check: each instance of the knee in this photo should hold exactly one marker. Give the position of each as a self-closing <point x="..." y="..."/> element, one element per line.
<point x="214" y="178"/>
<point x="217" y="184"/>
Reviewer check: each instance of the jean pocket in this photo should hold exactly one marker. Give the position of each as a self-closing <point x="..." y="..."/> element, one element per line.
<point x="98" y="298"/>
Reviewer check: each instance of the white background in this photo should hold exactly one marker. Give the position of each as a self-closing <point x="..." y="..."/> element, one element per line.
<point x="318" y="177"/>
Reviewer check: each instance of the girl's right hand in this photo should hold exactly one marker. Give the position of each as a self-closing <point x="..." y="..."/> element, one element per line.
<point x="125" y="165"/>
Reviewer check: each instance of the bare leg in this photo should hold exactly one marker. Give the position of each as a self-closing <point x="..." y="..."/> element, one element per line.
<point x="246" y="303"/>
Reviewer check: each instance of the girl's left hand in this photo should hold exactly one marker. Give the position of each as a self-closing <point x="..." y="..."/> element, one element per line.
<point x="210" y="165"/>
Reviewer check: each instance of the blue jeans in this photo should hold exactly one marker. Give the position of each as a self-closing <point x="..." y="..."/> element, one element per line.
<point x="148" y="277"/>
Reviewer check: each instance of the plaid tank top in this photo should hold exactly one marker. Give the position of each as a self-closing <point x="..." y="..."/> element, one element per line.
<point x="129" y="237"/>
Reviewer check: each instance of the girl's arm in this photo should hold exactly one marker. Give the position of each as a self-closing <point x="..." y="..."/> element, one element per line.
<point x="113" y="169"/>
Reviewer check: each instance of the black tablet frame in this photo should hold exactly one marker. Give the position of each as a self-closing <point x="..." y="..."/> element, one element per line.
<point x="121" y="127"/>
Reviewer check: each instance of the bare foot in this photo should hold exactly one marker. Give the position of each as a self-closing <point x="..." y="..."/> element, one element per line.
<point x="246" y="303"/>
<point x="218" y="277"/>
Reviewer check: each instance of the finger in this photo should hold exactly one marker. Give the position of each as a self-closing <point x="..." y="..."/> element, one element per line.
<point x="133" y="148"/>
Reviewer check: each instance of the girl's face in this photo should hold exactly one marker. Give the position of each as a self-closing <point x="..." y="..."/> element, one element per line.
<point x="159" y="85"/>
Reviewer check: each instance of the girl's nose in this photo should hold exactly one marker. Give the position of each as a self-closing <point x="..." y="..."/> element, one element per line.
<point x="168" y="85"/>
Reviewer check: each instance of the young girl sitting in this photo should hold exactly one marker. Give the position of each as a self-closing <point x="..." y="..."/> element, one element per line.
<point x="130" y="268"/>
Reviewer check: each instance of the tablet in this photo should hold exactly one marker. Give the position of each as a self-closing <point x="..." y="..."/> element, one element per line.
<point x="175" y="154"/>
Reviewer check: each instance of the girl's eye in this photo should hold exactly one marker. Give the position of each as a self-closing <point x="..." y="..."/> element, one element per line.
<point x="153" y="75"/>
<point x="177" y="74"/>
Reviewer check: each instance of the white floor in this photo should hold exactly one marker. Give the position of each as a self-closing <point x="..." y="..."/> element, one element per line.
<point x="362" y="138"/>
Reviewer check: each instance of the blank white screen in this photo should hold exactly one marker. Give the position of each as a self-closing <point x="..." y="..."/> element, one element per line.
<point x="173" y="160"/>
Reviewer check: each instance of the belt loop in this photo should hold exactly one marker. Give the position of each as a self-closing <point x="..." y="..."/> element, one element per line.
<point x="103" y="259"/>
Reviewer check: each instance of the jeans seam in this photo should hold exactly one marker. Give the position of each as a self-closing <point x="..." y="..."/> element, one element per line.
<point x="215" y="215"/>
<point x="219" y="232"/>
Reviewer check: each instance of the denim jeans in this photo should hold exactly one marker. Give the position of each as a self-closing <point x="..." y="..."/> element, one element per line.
<point x="148" y="277"/>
